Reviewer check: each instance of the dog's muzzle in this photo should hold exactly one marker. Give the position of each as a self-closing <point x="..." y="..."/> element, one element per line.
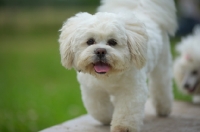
<point x="100" y="66"/>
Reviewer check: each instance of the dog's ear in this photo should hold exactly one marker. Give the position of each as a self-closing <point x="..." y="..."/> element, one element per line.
<point x="67" y="38"/>
<point x="137" y="42"/>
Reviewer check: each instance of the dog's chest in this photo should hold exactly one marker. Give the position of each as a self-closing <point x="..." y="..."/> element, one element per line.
<point x="108" y="84"/>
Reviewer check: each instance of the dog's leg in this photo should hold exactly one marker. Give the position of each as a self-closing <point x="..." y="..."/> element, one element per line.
<point x="98" y="104"/>
<point x="160" y="82"/>
<point x="129" y="110"/>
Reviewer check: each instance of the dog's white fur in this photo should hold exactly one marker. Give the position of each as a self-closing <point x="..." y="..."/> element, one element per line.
<point x="140" y="28"/>
<point x="187" y="65"/>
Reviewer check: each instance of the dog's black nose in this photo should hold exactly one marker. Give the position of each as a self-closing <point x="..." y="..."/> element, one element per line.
<point x="186" y="86"/>
<point x="100" y="52"/>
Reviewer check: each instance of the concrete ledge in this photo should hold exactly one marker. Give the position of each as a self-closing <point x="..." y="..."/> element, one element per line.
<point x="185" y="117"/>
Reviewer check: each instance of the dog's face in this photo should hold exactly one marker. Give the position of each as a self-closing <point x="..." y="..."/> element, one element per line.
<point x="190" y="74"/>
<point x="102" y="44"/>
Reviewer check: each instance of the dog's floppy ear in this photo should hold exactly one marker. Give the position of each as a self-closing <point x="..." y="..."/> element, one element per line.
<point x="137" y="42"/>
<point x="67" y="38"/>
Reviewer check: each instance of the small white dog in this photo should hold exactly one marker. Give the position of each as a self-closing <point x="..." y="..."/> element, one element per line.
<point x="114" y="51"/>
<point x="187" y="65"/>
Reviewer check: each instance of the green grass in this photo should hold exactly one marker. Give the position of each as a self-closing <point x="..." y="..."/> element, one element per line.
<point x="35" y="90"/>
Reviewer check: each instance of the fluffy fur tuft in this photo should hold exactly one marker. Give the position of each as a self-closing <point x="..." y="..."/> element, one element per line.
<point x="161" y="11"/>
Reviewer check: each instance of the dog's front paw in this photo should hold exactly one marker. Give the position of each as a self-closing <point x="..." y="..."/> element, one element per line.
<point x="123" y="129"/>
<point x="163" y="109"/>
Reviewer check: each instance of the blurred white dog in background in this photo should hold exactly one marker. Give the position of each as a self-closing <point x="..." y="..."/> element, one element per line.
<point x="114" y="51"/>
<point x="187" y="65"/>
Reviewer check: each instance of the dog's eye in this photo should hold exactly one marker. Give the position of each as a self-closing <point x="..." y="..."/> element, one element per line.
<point x="112" y="42"/>
<point x="90" y="41"/>
<point x="195" y="72"/>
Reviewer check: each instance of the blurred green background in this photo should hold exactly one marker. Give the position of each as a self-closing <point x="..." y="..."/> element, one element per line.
<point x="35" y="90"/>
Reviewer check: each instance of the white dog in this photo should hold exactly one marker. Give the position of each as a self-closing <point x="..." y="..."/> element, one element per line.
<point x="113" y="51"/>
<point x="187" y="65"/>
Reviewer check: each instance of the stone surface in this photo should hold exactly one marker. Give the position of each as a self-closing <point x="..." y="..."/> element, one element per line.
<point x="185" y="117"/>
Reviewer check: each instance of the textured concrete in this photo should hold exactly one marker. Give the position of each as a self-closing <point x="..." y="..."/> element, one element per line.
<point x="185" y="117"/>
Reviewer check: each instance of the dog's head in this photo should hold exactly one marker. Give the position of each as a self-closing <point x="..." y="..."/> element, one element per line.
<point x="187" y="73"/>
<point x="187" y="65"/>
<point x="103" y="43"/>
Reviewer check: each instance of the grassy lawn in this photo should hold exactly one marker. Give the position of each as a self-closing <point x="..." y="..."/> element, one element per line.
<point x="35" y="90"/>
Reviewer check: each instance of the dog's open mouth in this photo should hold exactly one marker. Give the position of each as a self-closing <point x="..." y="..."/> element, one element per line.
<point x="101" y="68"/>
<point x="192" y="90"/>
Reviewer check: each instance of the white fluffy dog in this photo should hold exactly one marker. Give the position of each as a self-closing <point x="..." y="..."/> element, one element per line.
<point x="187" y="65"/>
<point x="113" y="51"/>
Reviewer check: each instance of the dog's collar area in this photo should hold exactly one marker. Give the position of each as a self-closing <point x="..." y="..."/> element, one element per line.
<point x="101" y="67"/>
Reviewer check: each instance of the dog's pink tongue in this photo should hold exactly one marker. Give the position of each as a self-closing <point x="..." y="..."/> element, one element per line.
<point x="101" y="67"/>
